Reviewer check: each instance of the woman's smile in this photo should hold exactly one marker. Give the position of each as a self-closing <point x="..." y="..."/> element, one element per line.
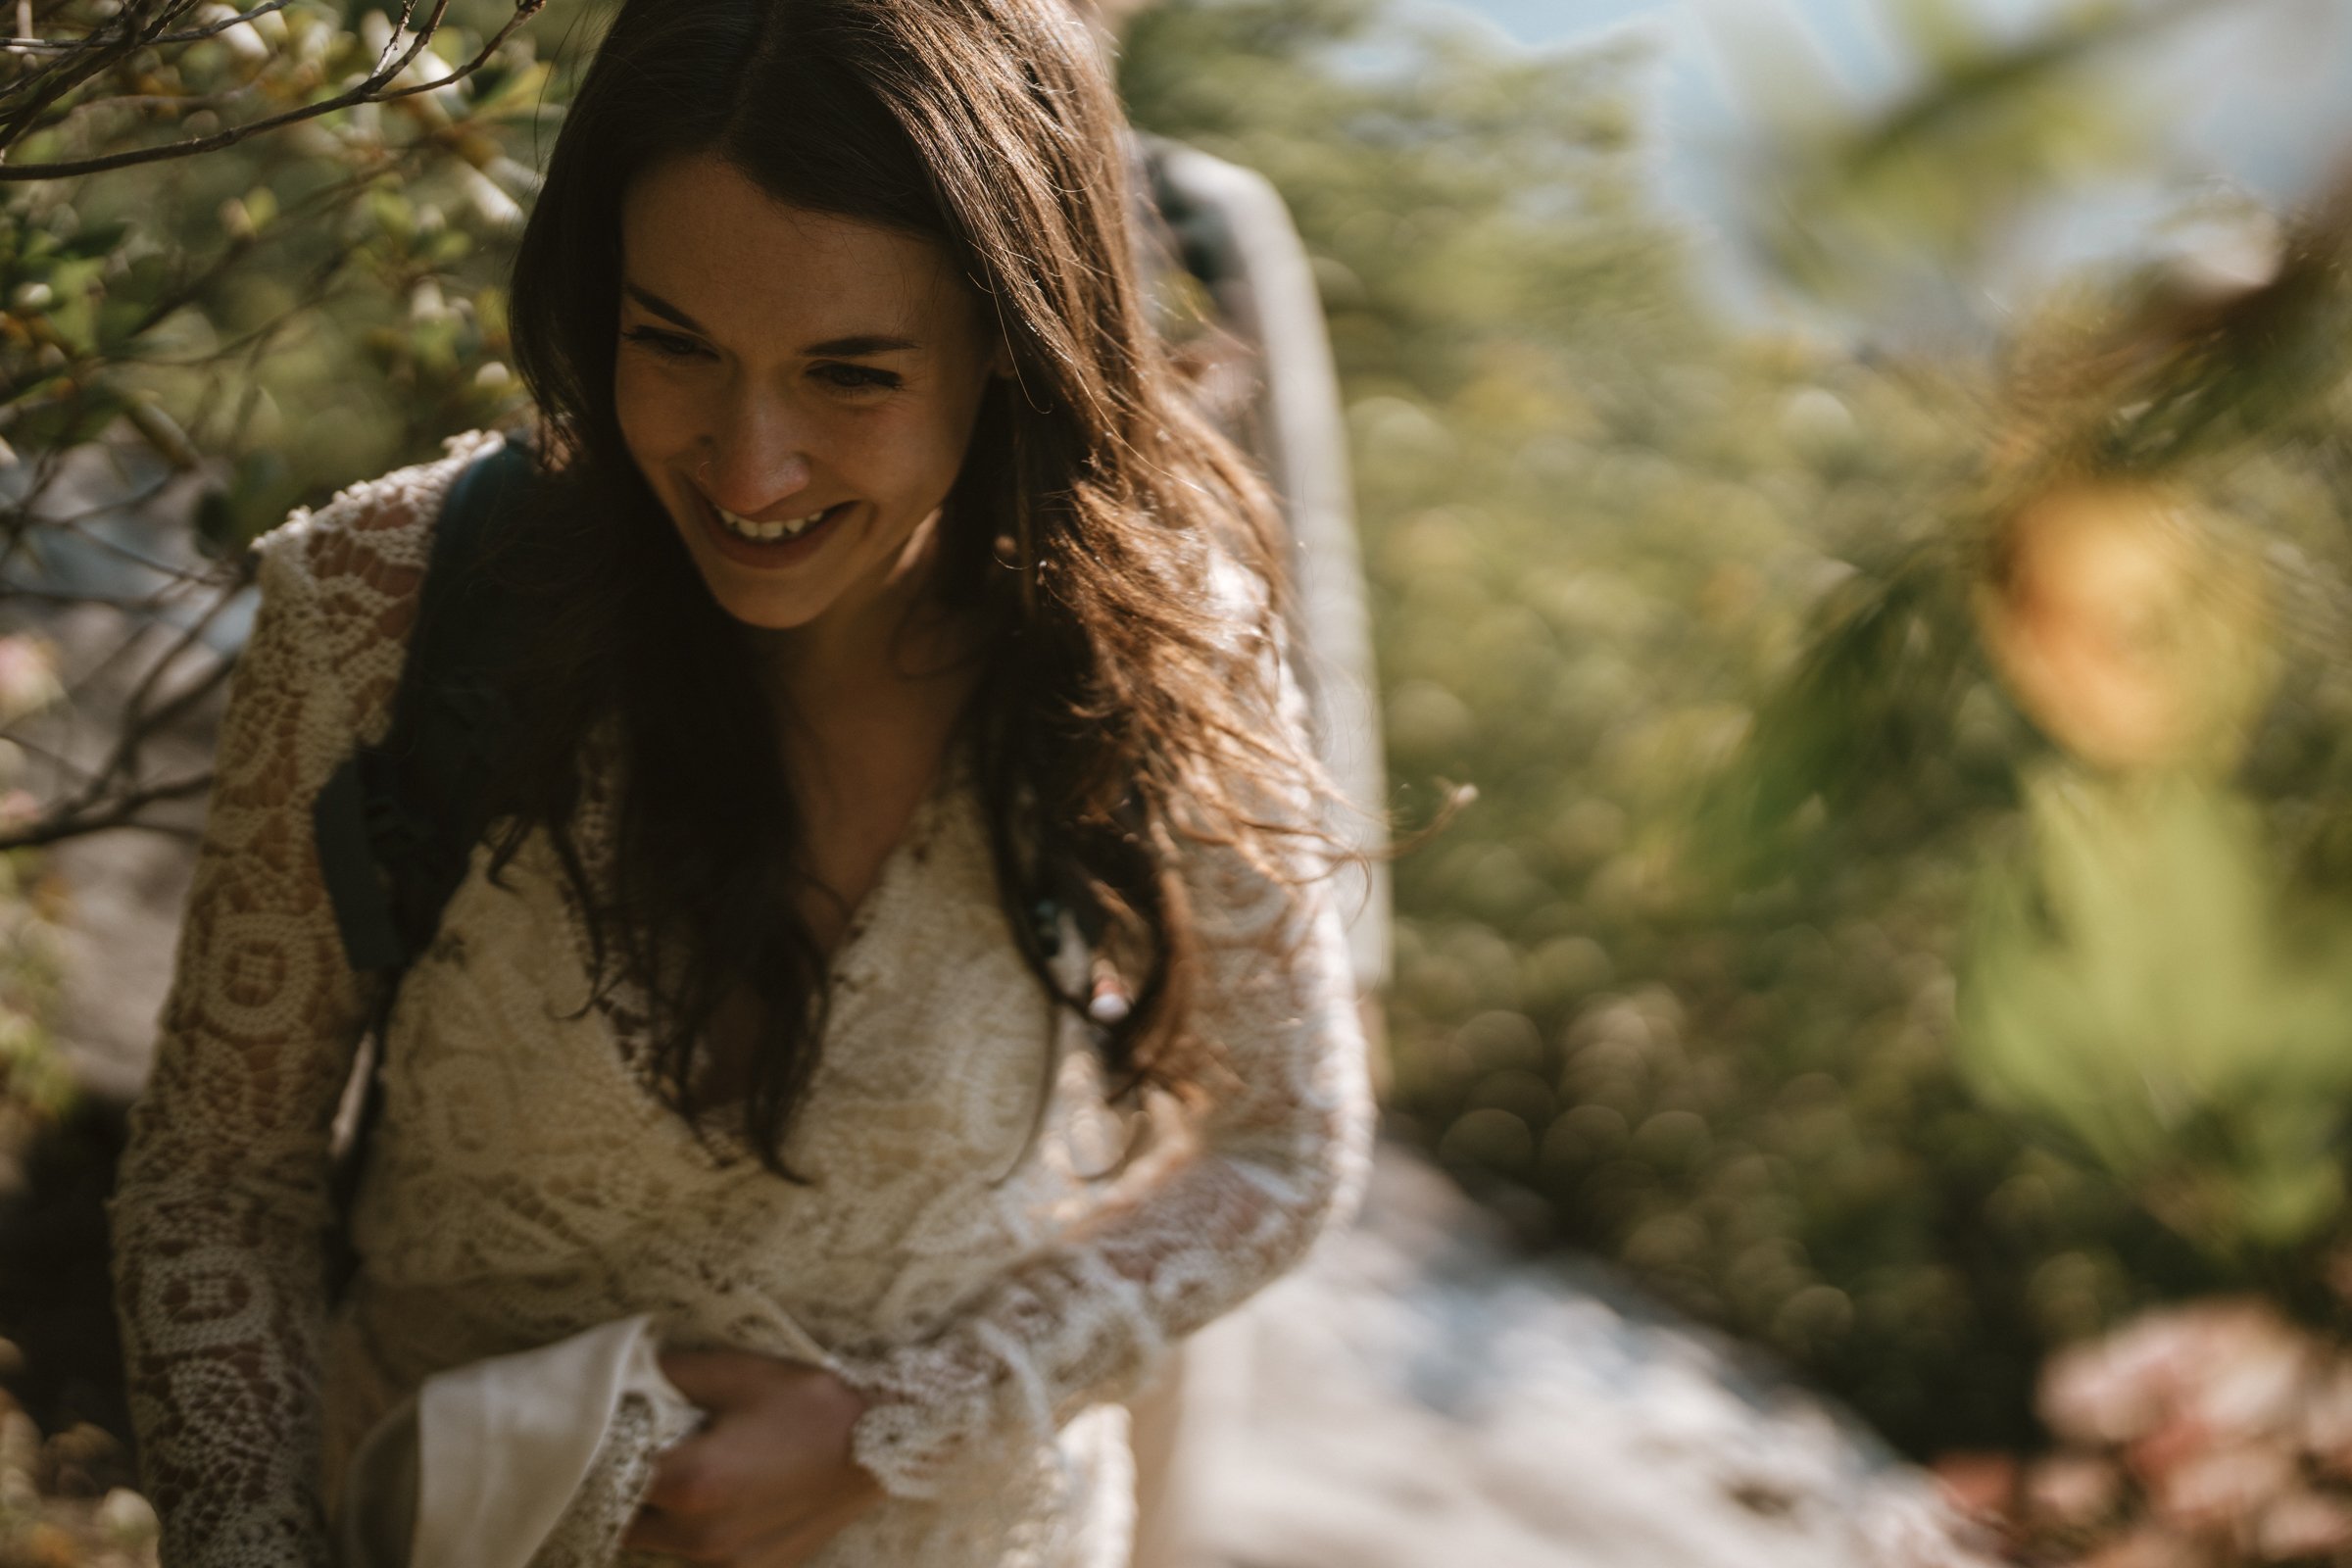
<point x="774" y="544"/>
<point x="771" y="531"/>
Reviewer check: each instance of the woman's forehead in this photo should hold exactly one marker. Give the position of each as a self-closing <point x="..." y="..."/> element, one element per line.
<point x="701" y="238"/>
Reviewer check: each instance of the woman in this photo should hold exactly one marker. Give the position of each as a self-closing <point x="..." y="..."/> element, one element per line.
<point x="902" y="781"/>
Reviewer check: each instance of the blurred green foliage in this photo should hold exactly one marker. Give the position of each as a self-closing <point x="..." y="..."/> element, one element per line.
<point x="2155" y="944"/>
<point x="33" y="1080"/>
<point x="221" y="304"/>
<point x="1690" y="602"/>
<point x="1892" y="208"/>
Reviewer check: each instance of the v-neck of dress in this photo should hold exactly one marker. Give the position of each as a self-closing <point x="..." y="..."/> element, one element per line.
<point x="626" y="1010"/>
<point x="912" y="844"/>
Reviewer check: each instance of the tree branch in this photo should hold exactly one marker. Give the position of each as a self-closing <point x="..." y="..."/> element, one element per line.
<point x="374" y="88"/>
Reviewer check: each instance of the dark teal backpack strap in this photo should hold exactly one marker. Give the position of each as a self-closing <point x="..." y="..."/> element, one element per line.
<point x="396" y="825"/>
<point x="355" y="888"/>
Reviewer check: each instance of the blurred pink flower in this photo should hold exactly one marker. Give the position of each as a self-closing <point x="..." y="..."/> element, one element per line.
<point x="2303" y="1524"/>
<point x="2073" y="1491"/>
<point x="2149" y="1547"/>
<point x="2328" y="1418"/>
<point x="1982" y="1486"/>
<point x="2214" y="1489"/>
<point x="2225" y="1368"/>
<point x="2254" y="1371"/>
<point x="2113" y="1389"/>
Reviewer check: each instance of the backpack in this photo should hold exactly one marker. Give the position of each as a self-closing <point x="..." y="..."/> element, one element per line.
<point x="396" y="825"/>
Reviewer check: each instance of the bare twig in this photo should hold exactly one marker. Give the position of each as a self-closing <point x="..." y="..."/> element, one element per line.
<point x="153" y="102"/>
<point x="374" y="88"/>
<point x="191" y="636"/>
<point x="121" y="810"/>
<point x="67" y="599"/>
<point x="124" y="552"/>
<point x="63" y="79"/>
<point x="50" y="755"/>
<point x="59" y="46"/>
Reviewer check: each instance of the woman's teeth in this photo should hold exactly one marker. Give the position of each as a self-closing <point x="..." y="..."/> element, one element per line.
<point x="767" y="532"/>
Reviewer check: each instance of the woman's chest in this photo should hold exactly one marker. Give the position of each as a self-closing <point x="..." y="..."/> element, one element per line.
<point x="521" y="1131"/>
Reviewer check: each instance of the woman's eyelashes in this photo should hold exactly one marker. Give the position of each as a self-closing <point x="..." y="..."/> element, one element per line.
<point x="839" y="375"/>
<point x="668" y="345"/>
<point x="856" y="377"/>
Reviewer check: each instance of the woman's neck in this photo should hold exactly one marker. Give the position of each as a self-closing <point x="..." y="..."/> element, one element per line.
<point x="865" y="646"/>
<point x="895" y="658"/>
<point x="868" y="703"/>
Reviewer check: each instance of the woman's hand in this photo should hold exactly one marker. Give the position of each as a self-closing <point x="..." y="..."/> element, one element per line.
<point x="768" y="1479"/>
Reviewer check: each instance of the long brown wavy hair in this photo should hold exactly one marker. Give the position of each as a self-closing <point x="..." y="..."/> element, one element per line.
<point x="1123" y="719"/>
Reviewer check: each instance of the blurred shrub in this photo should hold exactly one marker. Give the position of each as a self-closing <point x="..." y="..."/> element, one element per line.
<point x="296" y="309"/>
<point x="33" y="1081"/>
<point x="258" y="325"/>
<point x="1690" y="605"/>
<point x="2149" y="990"/>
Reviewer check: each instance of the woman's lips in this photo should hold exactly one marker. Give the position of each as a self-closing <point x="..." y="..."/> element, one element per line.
<point x="767" y="531"/>
<point x="784" y="550"/>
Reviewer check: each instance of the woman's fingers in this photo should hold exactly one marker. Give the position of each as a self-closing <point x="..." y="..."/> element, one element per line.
<point x="710" y="1538"/>
<point x="704" y="1504"/>
<point x="653" y="1530"/>
<point x="699" y="1508"/>
<point x="690" y="1476"/>
<point x="793" y="1546"/>
<point x="719" y="1380"/>
<point x="772" y="1465"/>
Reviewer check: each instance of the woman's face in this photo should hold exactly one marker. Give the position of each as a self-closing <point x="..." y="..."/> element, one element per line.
<point x="799" y="389"/>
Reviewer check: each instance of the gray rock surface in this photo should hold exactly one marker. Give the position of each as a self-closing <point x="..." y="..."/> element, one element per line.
<point x="1418" y="1395"/>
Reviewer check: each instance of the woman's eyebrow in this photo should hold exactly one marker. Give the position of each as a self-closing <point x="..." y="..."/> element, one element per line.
<point x="858" y="347"/>
<point x="663" y="309"/>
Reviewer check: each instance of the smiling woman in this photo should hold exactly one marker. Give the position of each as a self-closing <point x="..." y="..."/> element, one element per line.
<point x="900" y="678"/>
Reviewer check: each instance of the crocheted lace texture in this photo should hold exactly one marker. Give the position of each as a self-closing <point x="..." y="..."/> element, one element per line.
<point x="525" y="1183"/>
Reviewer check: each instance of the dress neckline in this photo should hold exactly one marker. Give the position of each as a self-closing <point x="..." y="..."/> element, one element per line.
<point x="913" y="844"/>
<point x="625" y="1012"/>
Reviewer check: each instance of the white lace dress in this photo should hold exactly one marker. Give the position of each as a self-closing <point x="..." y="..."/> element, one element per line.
<point x="524" y="1184"/>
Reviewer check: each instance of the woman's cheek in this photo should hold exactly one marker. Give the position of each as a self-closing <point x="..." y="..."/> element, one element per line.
<point x="629" y="405"/>
<point x="634" y="399"/>
<point x="658" y="415"/>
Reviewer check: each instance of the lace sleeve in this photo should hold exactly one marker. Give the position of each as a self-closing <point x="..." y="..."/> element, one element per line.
<point x="1284" y="1150"/>
<point x="223" y="1211"/>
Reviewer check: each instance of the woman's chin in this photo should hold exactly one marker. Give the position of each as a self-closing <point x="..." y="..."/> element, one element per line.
<point x="775" y="586"/>
<point x="766" y="611"/>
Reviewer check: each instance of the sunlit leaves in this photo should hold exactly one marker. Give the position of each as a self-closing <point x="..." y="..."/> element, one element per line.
<point x="234" y="285"/>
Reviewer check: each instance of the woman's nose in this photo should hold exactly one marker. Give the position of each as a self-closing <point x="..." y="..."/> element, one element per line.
<point x="758" y="460"/>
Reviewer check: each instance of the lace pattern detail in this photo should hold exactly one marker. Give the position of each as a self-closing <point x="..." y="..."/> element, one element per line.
<point x="1282" y="1150"/>
<point x="588" y="1536"/>
<point x="523" y="1184"/>
<point x="223" y="1206"/>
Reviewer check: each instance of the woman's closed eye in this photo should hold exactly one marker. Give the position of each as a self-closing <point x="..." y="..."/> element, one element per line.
<point x="668" y="345"/>
<point x="846" y="378"/>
